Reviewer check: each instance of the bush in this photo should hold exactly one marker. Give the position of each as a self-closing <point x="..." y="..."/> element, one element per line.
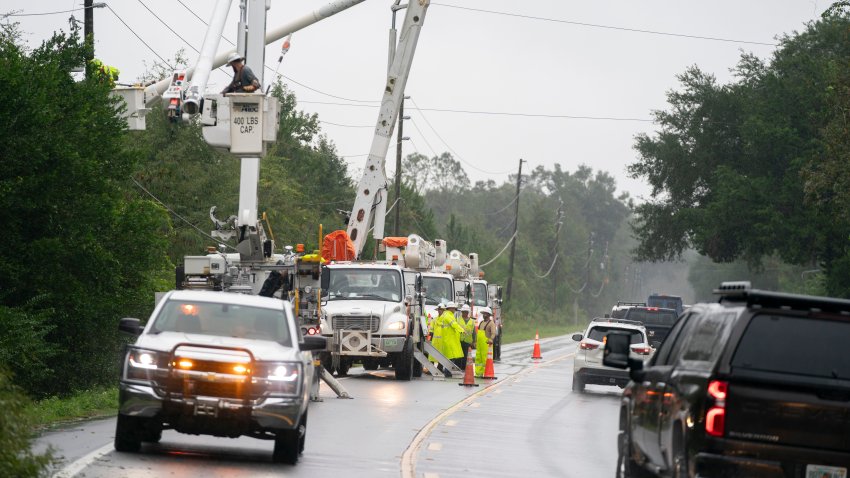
<point x="16" y="457"/>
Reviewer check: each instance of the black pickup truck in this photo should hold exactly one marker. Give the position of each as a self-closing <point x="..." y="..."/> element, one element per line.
<point x="757" y="385"/>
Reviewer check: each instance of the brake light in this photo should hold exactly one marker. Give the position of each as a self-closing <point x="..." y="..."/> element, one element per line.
<point x="642" y="350"/>
<point x="588" y="346"/>
<point x="652" y="308"/>
<point x="715" y="418"/>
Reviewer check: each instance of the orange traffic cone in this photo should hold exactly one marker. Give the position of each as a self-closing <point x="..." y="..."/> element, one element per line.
<point x="536" y="353"/>
<point x="489" y="373"/>
<point x="469" y="373"/>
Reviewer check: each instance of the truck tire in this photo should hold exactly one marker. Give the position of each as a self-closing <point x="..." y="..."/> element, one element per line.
<point x="343" y="366"/>
<point x="404" y="362"/>
<point x="286" y="447"/>
<point x="370" y="364"/>
<point x="127" y="438"/>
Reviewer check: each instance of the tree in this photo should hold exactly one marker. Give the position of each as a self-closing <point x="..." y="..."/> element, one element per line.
<point x="728" y="166"/>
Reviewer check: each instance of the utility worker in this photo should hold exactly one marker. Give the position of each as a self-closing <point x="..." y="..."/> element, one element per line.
<point x="451" y="331"/>
<point x="105" y="73"/>
<point x="436" y="337"/>
<point x="466" y="339"/>
<point x="244" y="80"/>
<point x="486" y="335"/>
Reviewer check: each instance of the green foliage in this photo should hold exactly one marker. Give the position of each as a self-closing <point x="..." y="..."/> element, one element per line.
<point x="80" y="405"/>
<point x="755" y="168"/>
<point x="16" y="435"/>
<point x="78" y="252"/>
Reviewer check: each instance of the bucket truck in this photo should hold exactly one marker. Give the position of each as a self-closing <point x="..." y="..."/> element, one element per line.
<point x="473" y="289"/>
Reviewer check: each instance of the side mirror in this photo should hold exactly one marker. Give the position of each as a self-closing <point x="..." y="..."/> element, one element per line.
<point x="312" y="342"/>
<point x="577" y="337"/>
<point x="419" y="287"/>
<point x="131" y="326"/>
<point x="326" y="279"/>
<point x="408" y="300"/>
<point x="617" y="350"/>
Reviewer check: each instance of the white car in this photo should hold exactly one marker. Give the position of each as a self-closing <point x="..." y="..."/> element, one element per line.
<point x="217" y="363"/>
<point x="587" y="366"/>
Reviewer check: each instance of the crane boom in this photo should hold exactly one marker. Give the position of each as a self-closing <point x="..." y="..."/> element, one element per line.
<point x="371" y="191"/>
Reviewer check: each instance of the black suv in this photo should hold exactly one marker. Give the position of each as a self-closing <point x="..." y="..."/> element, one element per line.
<point x="757" y="385"/>
<point x="658" y="321"/>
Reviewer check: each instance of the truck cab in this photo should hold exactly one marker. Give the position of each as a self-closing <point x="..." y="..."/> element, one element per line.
<point x="371" y="311"/>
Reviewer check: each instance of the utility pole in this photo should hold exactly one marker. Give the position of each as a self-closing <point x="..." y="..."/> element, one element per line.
<point x="88" y="28"/>
<point x="589" y="254"/>
<point x="401" y="119"/>
<point x="558" y="223"/>
<point x="516" y="227"/>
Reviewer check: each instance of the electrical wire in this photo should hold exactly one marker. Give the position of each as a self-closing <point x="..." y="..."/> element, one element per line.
<point x="516" y="196"/>
<point x="608" y="27"/>
<point x="551" y="267"/>
<point x="346" y="125"/>
<point x="178" y="216"/>
<point x="46" y="13"/>
<point x="140" y="38"/>
<point x="502" y="251"/>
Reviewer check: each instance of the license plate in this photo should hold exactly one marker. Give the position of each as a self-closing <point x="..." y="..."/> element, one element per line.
<point x="820" y="471"/>
<point x="390" y="342"/>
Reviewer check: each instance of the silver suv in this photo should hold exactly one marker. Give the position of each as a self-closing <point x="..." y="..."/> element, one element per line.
<point x="217" y="363"/>
<point x="587" y="366"/>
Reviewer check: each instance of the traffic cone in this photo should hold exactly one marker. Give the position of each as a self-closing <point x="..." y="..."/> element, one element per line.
<point x="489" y="373"/>
<point x="535" y="355"/>
<point x="469" y="373"/>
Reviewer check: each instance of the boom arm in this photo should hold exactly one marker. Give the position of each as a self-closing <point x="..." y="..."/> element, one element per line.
<point x="373" y="185"/>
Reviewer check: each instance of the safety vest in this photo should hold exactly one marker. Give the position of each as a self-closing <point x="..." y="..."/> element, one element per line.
<point x="106" y="73"/>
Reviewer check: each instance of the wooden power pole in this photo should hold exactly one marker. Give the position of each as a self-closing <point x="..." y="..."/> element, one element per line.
<point x="513" y="241"/>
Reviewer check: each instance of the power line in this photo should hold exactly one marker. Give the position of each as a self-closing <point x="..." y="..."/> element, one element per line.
<point x="607" y="27"/>
<point x="50" y="13"/>
<point x="502" y="209"/>
<point x="347" y="125"/>
<point x="500" y="252"/>
<point x="140" y="38"/>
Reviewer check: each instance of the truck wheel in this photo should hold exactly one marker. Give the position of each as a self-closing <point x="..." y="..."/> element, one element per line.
<point x="370" y="364"/>
<point x="327" y="362"/>
<point x="286" y="446"/>
<point x="578" y="384"/>
<point x="404" y="362"/>
<point x="126" y="435"/>
<point x="342" y="368"/>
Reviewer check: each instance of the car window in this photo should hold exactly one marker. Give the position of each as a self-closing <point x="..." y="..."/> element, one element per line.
<point x="365" y="284"/>
<point x="663" y="355"/>
<point x="795" y="345"/>
<point x="652" y="317"/>
<point x="599" y="333"/>
<point x="705" y="342"/>
<point x="223" y="320"/>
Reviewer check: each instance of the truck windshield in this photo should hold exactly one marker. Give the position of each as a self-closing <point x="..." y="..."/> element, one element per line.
<point x="223" y="320"/>
<point x="437" y="289"/>
<point x="479" y="292"/>
<point x="365" y="284"/>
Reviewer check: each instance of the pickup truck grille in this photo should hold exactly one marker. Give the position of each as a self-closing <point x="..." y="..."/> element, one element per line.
<point x="356" y="323"/>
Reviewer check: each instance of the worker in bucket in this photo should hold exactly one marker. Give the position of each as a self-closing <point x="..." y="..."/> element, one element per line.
<point x="244" y="80"/>
<point x="451" y="331"/>
<point x="466" y="339"/>
<point x="486" y="335"/>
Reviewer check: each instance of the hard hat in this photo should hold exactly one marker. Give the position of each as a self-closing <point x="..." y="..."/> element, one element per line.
<point x="441" y="305"/>
<point x="451" y="305"/>
<point x="485" y="310"/>
<point x="465" y="308"/>
<point x="233" y="57"/>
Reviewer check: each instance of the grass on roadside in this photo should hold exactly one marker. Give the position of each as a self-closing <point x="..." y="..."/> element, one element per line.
<point x="517" y="330"/>
<point x="83" y="404"/>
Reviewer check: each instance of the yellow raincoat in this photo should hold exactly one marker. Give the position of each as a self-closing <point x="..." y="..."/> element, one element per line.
<point x="486" y="334"/>
<point x="449" y="330"/>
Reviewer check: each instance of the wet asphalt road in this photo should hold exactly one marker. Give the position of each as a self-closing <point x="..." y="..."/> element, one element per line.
<point x="526" y="423"/>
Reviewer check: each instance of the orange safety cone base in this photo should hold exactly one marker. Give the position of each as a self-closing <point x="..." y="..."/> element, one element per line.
<point x="469" y="373"/>
<point x="535" y="354"/>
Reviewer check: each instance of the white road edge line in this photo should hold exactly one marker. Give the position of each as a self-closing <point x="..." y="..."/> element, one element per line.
<point x="408" y="458"/>
<point x="71" y="470"/>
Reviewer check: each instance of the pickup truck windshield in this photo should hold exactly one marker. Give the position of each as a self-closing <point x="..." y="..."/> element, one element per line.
<point x="365" y="284"/>
<point x="223" y="320"/>
<point x="437" y="289"/>
<point x="795" y="345"/>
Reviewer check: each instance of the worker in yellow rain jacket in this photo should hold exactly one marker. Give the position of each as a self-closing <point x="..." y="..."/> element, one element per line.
<point x="451" y="332"/>
<point x="467" y="338"/>
<point x="105" y="73"/>
<point x="486" y="334"/>
<point x="436" y="338"/>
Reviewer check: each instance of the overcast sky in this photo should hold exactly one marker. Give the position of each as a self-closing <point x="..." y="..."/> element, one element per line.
<point x="471" y="61"/>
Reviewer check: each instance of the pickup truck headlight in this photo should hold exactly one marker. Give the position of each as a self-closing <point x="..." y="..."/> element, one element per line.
<point x="281" y="378"/>
<point x="143" y="365"/>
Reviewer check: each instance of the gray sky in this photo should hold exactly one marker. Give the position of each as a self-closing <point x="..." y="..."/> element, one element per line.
<point x="472" y="61"/>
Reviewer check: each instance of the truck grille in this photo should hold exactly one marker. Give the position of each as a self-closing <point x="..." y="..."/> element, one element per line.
<point x="371" y="323"/>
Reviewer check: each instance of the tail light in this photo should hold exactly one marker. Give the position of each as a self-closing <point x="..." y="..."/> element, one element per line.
<point x="588" y="346"/>
<point x="715" y="418"/>
<point x="642" y="350"/>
